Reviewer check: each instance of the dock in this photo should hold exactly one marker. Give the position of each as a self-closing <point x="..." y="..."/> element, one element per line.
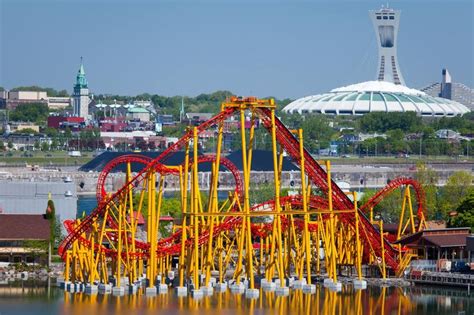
<point x="442" y="278"/>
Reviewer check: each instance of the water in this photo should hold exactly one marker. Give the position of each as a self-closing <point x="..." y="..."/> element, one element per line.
<point x="40" y="299"/>
<point x="85" y="205"/>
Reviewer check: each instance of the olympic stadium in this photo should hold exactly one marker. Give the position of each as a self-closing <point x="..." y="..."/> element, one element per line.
<point x="376" y="96"/>
<point x="388" y="93"/>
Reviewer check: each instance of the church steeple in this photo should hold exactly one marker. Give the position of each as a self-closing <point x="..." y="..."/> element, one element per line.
<point x="81" y="81"/>
<point x="81" y="94"/>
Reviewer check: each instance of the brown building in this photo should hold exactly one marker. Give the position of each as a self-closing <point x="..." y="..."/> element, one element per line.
<point x="447" y="243"/>
<point x="17" y="233"/>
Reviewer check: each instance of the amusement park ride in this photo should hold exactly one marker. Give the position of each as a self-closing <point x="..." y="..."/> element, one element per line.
<point x="232" y="241"/>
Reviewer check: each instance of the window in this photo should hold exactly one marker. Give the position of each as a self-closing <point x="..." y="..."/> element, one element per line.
<point x="365" y="97"/>
<point x="390" y="98"/>
<point x="385" y="17"/>
<point x="379" y="17"/>
<point x="386" y="36"/>
<point x="392" y="17"/>
<point x="377" y="97"/>
<point x="353" y="97"/>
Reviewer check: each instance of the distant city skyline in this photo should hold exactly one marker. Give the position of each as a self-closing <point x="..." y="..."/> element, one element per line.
<point x="282" y="49"/>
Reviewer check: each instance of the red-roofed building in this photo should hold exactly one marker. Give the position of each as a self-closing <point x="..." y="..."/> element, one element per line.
<point x="18" y="229"/>
<point x="63" y="121"/>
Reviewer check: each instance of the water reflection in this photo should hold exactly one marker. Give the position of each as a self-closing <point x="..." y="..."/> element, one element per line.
<point x="34" y="298"/>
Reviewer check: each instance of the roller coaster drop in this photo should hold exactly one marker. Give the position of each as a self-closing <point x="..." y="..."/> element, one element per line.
<point x="280" y="238"/>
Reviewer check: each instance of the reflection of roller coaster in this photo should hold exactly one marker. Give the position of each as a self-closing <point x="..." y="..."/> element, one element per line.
<point x="279" y="237"/>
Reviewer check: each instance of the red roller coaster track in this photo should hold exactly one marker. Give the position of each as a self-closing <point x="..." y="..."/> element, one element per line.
<point x="145" y="160"/>
<point x="394" y="184"/>
<point x="287" y="141"/>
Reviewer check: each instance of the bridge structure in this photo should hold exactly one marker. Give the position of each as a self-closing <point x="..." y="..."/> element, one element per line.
<point x="122" y="245"/>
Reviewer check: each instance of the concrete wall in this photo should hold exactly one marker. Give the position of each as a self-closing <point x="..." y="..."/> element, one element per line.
<point x="23" y="197"/>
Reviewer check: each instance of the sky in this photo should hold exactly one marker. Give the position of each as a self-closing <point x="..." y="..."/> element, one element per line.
<point x="286" y="49"/>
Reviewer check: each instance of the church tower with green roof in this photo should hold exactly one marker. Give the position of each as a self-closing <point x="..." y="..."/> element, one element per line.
<point x="81" y="94"/>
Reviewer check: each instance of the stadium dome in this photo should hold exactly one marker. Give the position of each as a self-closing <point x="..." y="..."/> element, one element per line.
<point x="376" y="96"/>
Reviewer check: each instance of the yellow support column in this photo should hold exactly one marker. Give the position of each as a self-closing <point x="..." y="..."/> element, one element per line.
<point x="332" y="231"/>
<point x="246" y="232"/>
<point x="182" y="290"/>
<point x="306" y="234"/>
<point x="118" y="289"/>
<point x="213" y="203"/>
<point x="151" y="234"/>
<point x="359" y="283"/>
<point x="67" y="267"/>
<point x="195" y="211"/>
<point x="133" y="222"/>
<point x="383" y="269"/>
<point x="277" y="231"/>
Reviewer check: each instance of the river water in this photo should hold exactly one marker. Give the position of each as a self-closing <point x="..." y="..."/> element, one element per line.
<point x="42" y="299"/>
<point x="39" y="298"/>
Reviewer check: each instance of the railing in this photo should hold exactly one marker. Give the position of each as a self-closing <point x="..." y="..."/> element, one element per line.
<point x="442" y="278"/>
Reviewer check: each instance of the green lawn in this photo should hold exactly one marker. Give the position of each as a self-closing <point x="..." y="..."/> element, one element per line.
<point x="395" y="160"/>
<point x="43" y="158"/>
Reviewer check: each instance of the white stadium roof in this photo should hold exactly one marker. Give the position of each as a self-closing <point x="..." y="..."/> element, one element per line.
<point x="375" y="96"/>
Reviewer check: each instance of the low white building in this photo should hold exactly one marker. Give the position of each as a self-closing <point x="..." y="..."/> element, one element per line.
<point x="139" y="113"/>
<point x="59" y="102"/>
<point x="28" y="95"/>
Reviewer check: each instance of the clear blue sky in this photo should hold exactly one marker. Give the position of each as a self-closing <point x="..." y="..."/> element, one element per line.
<point x="279" y="48"/>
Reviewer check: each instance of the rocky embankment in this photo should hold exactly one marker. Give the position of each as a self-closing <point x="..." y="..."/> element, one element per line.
<point x="14" y="272"/>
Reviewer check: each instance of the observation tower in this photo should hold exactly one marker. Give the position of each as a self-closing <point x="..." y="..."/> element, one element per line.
<point x="386" y="22"/>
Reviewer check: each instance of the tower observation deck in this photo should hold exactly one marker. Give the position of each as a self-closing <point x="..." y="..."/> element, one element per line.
<point x="386" y="22"/>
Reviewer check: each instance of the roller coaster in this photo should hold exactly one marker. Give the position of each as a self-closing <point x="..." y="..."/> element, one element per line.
<point x="314" y="231"/>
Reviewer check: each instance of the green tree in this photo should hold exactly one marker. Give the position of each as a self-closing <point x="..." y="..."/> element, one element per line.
<point x="382" y="121"/>
<point x="55" y="231"/>
<point x="317" y="132"/>
<point x="428" y="178"/>
<point x="54" y="144"/>
<point x="10" y="145"/>
<point x="45" y="146"/>
<point x="32" y="112"/>
<point x="2" y="146"/>
<point x="465" y="213"/>
<point x="51" y="132"/>
<point x="457" y="188"/>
